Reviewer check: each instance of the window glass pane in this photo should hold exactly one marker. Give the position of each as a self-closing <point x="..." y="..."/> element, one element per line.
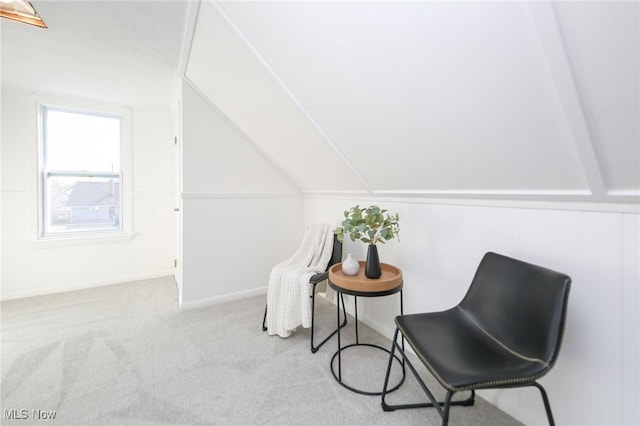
<point x="82" y="204"/>
<point x="75" y="141"/>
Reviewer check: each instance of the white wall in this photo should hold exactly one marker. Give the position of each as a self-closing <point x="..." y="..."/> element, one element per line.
<point x="30" y="267"/>
<point x="596" y="379"/>
<point x="240" y="215"/>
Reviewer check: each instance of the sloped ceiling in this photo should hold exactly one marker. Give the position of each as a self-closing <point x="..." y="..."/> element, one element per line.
<point x="107" y="50"/>
<point x="509" y="99"/>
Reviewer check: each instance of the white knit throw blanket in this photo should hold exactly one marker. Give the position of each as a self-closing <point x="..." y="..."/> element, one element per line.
<point x="288" y="301"/>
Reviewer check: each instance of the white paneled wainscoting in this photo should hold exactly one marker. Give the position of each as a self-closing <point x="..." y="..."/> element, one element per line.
<point x="596" y="380"/>
<point x="230" y="243"/>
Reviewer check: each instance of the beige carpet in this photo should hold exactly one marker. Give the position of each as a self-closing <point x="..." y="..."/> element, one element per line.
<point x="125" y="355"/>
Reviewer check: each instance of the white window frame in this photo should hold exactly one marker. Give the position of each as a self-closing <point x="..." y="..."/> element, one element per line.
<point x="59" y="103"/>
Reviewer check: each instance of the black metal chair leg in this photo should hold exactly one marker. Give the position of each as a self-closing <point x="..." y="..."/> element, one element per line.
<point x="445" y="410"/>
<point x="434" y="403"/>
<point x="438" y="405"/>
<point x="264" y="320"/>
<point x="547" y="406"/>
<point x="386" y="407"/>
<point x="314" y="348"/>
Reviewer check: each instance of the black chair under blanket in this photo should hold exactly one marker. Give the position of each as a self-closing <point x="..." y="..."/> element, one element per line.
<point x="336" y="257"/>
<point x="506" y="332"/>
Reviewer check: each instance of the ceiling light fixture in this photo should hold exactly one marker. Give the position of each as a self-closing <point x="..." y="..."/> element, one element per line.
<point x="21" y="11"/>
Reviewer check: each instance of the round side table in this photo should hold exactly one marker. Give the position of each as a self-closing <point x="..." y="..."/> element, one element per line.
<point x="390" y="282"/>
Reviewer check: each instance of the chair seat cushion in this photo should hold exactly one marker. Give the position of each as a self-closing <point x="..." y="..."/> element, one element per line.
<point x="461" y="355"/>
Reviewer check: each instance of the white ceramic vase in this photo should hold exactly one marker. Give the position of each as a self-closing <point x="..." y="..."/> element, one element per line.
<point x="350" y="266"/>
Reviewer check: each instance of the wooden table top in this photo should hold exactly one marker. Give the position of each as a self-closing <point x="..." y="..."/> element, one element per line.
<point x="389" y="282"/>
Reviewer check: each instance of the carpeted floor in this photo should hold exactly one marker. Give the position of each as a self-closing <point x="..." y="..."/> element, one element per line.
<point x="126" y="355"/>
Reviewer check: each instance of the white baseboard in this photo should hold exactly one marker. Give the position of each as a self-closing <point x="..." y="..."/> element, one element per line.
<point x="216" y="300"/>
<point x="500" y="398"/>
<point x="81" y="286"/>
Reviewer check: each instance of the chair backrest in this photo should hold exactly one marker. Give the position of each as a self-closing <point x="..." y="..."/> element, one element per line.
<point x="336" y="254"/>
<point x="521" y="305"/>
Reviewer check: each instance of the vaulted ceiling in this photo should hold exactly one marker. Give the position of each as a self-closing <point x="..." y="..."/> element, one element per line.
<point x="536" y="100"/>
<point x="451" y="98"/>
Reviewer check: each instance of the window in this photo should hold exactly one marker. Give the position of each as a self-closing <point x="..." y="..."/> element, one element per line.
<point x="81" y="171"/>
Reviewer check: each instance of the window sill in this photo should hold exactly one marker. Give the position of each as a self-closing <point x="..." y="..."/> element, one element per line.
<point x="79" y="240"/>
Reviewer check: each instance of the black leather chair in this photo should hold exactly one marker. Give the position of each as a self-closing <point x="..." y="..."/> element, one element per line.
<point x="336" y="257"/>
<point x="505" y="333"/>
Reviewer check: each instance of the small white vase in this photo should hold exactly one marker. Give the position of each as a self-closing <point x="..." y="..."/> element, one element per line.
<point x="350" y="266"/>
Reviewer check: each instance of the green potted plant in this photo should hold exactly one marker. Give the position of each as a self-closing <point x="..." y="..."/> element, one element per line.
<point x="371" y="225"/>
